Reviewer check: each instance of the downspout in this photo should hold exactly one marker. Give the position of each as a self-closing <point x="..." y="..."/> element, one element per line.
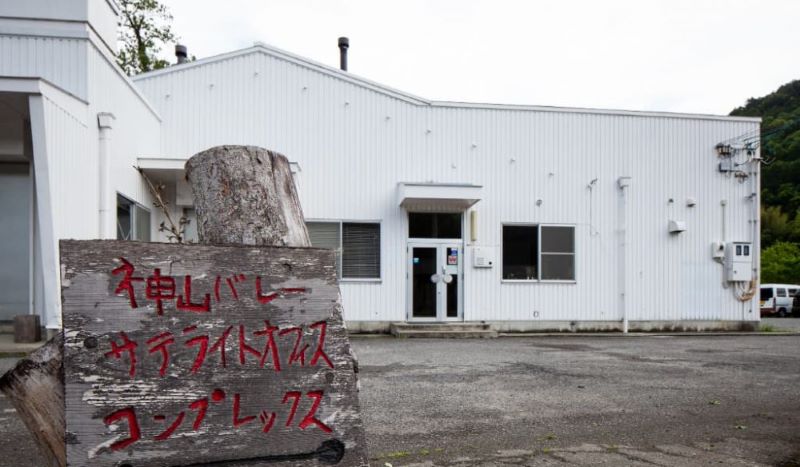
<point x="106" y="229"/>
<point x="623" y="182"/>
<point x="756" y="200"/>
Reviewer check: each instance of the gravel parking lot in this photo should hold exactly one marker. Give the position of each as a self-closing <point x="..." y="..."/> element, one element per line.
<point x="582" y="400"/>
<point x="571" y="400"/>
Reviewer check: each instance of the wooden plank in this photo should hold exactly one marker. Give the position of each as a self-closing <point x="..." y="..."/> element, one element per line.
<point x="35" y="387"/>
<point x="183" y="370"/>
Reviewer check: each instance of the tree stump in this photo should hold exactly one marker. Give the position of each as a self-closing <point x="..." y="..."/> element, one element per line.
<point x="243" y="195"/>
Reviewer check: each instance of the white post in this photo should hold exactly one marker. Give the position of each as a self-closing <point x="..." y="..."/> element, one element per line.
<point x="48" y="261"/>
<point x="106" y="229"/>
<point x="623" y="182"/>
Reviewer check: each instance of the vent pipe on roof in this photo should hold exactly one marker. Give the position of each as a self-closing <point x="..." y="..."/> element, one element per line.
<point x="181" y="53"/>
<point x="344" y="44"/>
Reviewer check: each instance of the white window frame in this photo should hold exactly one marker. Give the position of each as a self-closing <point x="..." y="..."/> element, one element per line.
<point x="539" y="254"/>
<point x="134" y="218"/>
<point x="341" y="222"/>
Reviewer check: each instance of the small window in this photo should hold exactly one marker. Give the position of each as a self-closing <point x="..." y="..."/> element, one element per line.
<point x="792" y="292"/>
<point x="781" y="292"/>
<point x="539" y="252"/>
<point x="361" y="251"/>
<point x="558" y="253"/>
<point x="434" y="225"/>
<point x="133" y="221"/>
<point x="520" y="257"/>
<point x="747" y="250"/>
<point x="738" y="250"/>
<point x="766" y="293"/>
<point x="357" y="246"/>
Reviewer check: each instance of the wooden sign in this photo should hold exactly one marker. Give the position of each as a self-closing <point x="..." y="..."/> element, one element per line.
<point x="193" y="355"/>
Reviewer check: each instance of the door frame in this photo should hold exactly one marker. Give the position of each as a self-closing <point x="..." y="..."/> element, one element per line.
<point x="441" y="311"/>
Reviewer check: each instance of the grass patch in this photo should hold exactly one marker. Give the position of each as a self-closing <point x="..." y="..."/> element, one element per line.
<point x="767" y="328"/>
<point x="391" y="455"/>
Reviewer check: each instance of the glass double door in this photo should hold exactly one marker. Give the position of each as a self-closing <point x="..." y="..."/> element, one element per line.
<point x="435" y="281"/>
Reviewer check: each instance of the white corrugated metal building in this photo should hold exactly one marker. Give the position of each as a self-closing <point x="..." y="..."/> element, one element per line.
<point x="521" y="216"/>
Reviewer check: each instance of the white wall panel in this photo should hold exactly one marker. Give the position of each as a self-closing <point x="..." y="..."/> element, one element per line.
<point x="69" y="161"/>
<point x="60" y="61"/>
<point x="354" y="144"/>
<point x="135" y="133"/>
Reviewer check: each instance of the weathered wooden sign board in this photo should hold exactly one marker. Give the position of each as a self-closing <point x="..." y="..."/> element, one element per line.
<point x="191" y="355"/>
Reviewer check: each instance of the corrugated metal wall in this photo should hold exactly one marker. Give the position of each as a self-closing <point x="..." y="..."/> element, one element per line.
<point x="355" y="144"/>
<point x="69" y="140"/>
<point x="136" y="129"/>
<point x="69" y="159"/>
<point x="61" y="61"/>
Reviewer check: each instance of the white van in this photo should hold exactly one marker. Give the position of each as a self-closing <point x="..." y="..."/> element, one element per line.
<point x="776" y="299"/>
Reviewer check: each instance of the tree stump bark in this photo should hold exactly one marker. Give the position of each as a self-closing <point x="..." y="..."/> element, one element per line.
<point x="243" y="195"/>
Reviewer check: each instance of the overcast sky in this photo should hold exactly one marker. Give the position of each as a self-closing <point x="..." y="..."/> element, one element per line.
<point x="705" y="56"/>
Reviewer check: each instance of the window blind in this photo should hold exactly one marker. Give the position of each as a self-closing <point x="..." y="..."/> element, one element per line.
<point x="361" y="247"/>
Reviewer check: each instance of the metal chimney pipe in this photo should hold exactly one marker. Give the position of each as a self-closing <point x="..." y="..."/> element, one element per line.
<point x="181" y="53"/>
<point x="344" y="44"/>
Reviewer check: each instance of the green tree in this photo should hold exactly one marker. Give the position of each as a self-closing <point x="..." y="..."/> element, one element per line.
<point x="781" y="263"/>
<point x="775" y="225"/>
<point x="144" y="29"/>
<point x="780" y="148"/>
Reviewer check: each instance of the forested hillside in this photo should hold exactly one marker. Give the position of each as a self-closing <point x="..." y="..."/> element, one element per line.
<point x="780" y="181"/>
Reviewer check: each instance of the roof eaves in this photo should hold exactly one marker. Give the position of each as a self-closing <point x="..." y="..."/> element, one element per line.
<point x="260" y="47"/>
<point x="582" y="110"/>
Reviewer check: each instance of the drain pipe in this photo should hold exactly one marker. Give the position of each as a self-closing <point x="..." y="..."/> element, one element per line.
<point x="624" y="183"/>
<point x="755" y="198"/>
<point x="105" y="121"/>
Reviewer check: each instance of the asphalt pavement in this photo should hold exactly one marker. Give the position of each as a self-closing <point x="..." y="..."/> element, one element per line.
<point x="575" y="400"/>
<point x="570" y="400"/>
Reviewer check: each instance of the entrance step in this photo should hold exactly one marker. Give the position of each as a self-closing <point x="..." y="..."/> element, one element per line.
<point x="443" y="330"/>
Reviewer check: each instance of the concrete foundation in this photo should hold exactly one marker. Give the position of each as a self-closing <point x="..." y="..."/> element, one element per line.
<point x="383" y="327"/>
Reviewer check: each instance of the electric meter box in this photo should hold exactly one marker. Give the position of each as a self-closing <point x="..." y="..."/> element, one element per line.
<point x="739" y="261"/>
<point x="482" y="257"/>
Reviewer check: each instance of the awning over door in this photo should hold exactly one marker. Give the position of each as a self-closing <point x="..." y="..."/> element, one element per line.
<point x="440" y="197"/>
